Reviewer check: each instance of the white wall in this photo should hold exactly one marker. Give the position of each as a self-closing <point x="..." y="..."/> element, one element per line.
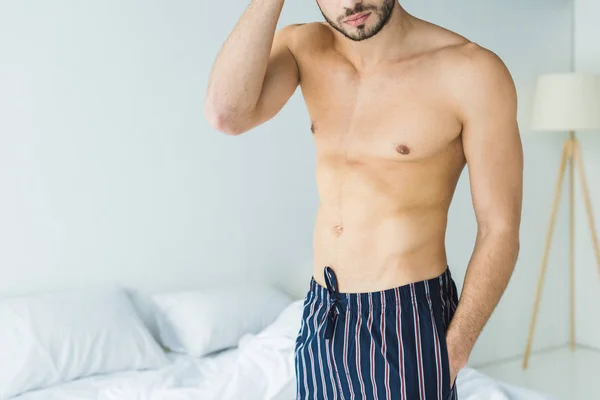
<point x="109" y="171"/>
<point x="587" y="59"/>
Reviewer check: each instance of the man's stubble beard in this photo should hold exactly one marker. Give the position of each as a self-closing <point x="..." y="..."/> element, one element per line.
<point x="384" y="13"/>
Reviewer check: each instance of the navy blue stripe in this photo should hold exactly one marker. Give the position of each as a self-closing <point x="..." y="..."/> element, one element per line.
<point x="428" y="346"/>
<point x="411" y="377"/>
<point x="320" y="359"/>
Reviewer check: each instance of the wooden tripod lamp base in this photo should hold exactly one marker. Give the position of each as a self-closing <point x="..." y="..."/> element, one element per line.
<point x="566" y="102"/>
<point x="571" y="157"/>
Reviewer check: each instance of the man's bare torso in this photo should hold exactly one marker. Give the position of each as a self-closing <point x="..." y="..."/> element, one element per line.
<point x="398" y="107"/>
<point x="389" y="155"/>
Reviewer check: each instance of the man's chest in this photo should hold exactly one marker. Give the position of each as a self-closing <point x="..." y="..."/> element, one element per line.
<point x="395" y="114"/>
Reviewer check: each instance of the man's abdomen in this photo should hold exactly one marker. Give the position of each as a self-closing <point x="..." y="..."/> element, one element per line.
<point x="382" y="225"/>
<point x="378" y="253"/>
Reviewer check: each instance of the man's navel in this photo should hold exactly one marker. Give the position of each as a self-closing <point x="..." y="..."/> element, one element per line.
<point x="338" y="230"/>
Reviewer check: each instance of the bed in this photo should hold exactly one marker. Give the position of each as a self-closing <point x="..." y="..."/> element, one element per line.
<point x="259" y="367"/>
<point x="192" y="379"/>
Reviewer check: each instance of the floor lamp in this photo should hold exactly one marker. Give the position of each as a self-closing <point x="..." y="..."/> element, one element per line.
<point x="566" y="103"/>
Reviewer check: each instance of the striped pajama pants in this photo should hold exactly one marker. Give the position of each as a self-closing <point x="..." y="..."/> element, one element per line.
<point x="387" y="345"/>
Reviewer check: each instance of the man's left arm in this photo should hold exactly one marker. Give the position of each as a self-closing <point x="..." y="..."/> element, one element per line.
<point x="494" y="155"/>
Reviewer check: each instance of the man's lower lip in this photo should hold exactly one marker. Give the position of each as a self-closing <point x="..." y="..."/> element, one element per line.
<point x="358" y="21"/>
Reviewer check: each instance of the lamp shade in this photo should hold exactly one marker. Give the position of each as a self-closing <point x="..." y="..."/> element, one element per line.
<point x="567" y="102"/>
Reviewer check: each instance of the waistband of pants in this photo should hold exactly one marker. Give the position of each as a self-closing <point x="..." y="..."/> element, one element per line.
<point x="437" y="289"/>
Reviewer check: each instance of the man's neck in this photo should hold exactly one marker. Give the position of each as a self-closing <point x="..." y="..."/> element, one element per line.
<point x="385" y="45"/>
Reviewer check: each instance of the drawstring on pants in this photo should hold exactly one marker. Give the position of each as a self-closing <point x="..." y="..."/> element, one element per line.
<point x="335" y="308"/>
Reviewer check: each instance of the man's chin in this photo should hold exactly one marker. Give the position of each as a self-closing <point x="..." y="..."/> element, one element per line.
<point x="358" y="36"/>
<point x="355" y="34"/>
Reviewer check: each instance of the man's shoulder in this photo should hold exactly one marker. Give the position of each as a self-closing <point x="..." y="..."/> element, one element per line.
<point x="476" y="78"/>
<point x="307" y="28"/>
<point x="469" y="63"/>
<point x="454" y="53"/>
<point x="298" y="36"/>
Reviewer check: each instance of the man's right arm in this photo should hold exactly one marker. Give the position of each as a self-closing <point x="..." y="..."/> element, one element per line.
<point x="254" y="74"/>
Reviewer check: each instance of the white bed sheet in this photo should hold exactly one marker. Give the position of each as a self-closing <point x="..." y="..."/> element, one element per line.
<point x="186" y="378"/>
<point x="261" y="368"/>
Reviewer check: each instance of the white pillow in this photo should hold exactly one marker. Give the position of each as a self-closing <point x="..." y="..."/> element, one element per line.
<point x="285" y="326"/>
<point x="57" y="337"/>
<point x="201" y="322"/>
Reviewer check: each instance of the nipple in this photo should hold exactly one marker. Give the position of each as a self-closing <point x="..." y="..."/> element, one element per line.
<point x="403" y="149"/>
<point x="313" y="129"/>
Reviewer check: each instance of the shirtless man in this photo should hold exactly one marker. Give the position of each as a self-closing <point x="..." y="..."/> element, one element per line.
<point x="398" y="107"/>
